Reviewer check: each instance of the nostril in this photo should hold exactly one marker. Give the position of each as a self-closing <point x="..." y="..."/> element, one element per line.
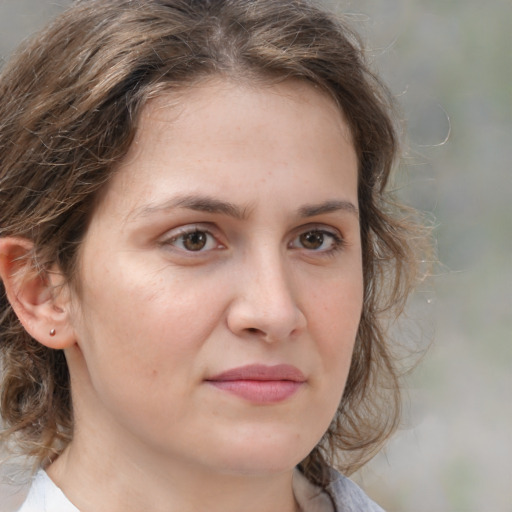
<point x="255" y="333"/>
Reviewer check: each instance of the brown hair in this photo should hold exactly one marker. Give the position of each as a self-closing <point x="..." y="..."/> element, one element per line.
<point x="69" y="104"/>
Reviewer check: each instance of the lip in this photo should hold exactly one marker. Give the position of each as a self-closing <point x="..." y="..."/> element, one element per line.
<point x="260" y="384"/>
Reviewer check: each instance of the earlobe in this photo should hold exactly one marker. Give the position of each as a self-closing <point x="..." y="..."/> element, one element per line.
<point x="39" y="299"/>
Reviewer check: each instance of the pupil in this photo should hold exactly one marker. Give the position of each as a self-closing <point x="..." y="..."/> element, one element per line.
<point x="195" y="241"/>
<point x="312" y="240"/>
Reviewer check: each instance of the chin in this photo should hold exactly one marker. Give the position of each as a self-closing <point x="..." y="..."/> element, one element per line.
<point x="261" y="465"/>
<point x="262" y="454"/>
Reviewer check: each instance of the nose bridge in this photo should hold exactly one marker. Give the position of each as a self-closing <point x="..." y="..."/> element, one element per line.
<point x="266" y="301"/>
<point x="270" y="281"/>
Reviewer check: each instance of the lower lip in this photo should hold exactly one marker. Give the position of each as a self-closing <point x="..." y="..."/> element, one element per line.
<point x="260" y="391"/>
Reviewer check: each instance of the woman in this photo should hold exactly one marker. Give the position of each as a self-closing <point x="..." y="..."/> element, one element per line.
<point x="199" y="258"/>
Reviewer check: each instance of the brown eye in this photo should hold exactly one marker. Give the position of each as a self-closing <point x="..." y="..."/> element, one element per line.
<point x="312" y="240"/>
<point x="195" y="241"/>
<point x="320" y="241"/>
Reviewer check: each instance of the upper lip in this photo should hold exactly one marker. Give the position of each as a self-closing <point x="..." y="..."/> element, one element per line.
<point x="261" y="372"/>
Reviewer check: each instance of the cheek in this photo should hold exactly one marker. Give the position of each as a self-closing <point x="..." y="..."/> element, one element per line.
<point x="145" y="323"/>
<point x="334" y="326"/>
<point x="338" y="312"/>
<point x="333" y="323"/>
<point x="137" y="344"/>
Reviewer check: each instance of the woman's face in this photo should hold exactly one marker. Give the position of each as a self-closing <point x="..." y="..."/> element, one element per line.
<point x="221" y="282"/>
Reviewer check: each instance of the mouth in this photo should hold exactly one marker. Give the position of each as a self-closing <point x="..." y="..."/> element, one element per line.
<point x="260" y="384"/>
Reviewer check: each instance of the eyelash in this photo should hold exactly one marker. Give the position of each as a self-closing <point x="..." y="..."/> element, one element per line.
<point x="338" y="242"/>
<point x="184" y="232"/>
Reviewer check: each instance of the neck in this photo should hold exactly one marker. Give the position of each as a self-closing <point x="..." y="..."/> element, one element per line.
<point x="120" y="482"/>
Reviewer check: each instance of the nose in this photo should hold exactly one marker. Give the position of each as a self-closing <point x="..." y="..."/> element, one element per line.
<point x="265" y="305"/>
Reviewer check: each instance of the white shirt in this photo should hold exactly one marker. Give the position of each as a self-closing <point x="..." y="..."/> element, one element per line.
<point x="45" y="496"/>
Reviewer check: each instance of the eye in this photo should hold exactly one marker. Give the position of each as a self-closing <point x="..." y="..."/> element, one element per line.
<point x="194" y="240"/>
<point x="317" y="240"/>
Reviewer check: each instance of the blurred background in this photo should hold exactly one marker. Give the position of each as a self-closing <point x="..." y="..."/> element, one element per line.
<point x="449" y="63"/>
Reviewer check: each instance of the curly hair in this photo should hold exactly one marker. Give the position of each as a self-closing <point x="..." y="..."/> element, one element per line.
<point x="70" y="100"/>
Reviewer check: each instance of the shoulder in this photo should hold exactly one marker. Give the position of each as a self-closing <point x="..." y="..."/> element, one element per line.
<point x="45" y="496"/>
<point x="348" y="496"/>
<point x="341" y="495"/>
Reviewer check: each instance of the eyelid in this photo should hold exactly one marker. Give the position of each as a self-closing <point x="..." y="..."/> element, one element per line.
<point x="167" y="240"/>
<point x="336" y="235"/>
<point x="174" y="234"/>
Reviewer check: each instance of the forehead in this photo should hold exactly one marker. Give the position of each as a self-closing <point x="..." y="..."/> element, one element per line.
<point x="228" y="136"/>
<point x="210" y="104"/>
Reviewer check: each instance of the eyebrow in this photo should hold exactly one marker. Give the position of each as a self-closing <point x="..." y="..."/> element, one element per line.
<point x="200" y="204"/>
<point x="209" y="204"/>
<point x="311" y="210"/>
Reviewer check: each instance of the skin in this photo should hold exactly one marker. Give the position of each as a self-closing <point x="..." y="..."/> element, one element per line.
<point x="277" y="281"/>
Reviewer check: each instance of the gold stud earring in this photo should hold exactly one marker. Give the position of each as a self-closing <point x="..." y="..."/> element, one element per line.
<point x="53" y="332"/>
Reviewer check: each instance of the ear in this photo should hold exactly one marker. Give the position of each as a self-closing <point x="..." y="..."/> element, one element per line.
<point x="41" y="300"/>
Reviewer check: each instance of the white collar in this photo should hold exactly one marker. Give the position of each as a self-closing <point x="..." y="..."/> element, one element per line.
<point x="45" y="496"/>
